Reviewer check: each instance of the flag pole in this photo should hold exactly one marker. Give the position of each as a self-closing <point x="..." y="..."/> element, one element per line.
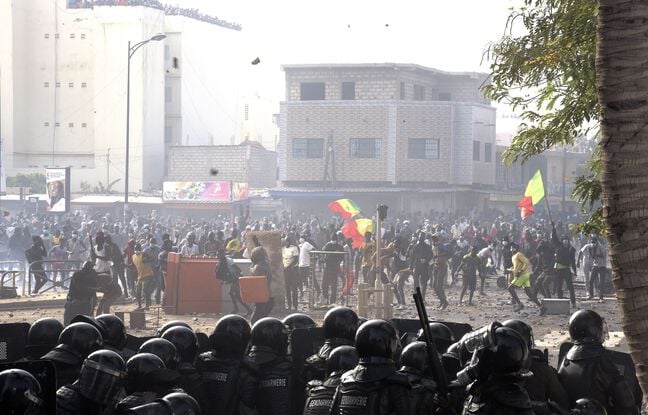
<point x="548" y="209"/>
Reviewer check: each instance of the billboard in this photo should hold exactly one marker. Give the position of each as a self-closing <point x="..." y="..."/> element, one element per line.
<point x="196" y="191"/>
<point x="57" y="189"/>
<point x="240" y="191"/>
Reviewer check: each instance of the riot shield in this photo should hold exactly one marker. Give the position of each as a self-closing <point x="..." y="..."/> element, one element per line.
<point x="305" y="343"/>
<point x="13" y="339"/>
<point x="133" y="344"/>
<point x="45" y="373"/>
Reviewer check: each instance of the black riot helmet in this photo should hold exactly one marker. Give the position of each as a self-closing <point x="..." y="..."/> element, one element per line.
<point x="299" y="321"/>
<point x="114" y="330"/>
<point x="341" y="359"/>
<point x="168" y="325"/>
<point x="142" y="370"/>
<point x="523" y="329"/>
<point x="43" y="336"/>
<point x="441" y="335"/>
<point x="102" y="375"/>
<point x="83" y="338"/>
<point x="163" y="349"/>
<point x="270" y="332"/>
<point x="589" y="407"/>
<point x="586" y="326"/>
<point x="509" y="353"/>
<point x="340" y="323"/>
<point x="19" y="392"/>
<point x="231" y="335"/>
<point x="377" y="338"/>
<point x="415" y="356"/>
<point x="185" y="341"/>
<point x="181" y="404"/>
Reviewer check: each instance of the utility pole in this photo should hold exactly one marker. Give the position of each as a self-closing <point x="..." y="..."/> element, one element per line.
<point x="107" y="169"/>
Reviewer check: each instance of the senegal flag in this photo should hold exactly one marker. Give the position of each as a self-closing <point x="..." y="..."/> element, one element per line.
<point x="345" y="207"/>
<point x="356" y="230"/>
<point x="532" y="195"/>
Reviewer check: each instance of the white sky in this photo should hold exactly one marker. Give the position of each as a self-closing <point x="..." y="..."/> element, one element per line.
<point x="448" y="35"/>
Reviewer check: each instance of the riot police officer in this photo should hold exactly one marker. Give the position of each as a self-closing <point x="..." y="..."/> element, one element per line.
<point x="176" y="403"/>
<point x="493" y="373"/>
<point x="114" y="332"/>
<point x="340" y="325"/>
<point x="186" y="342"/>
<point x="543" y="386"/>
<point x="148" y="379"/>
<point x="275" y="387"/>
<point x="587" y="371"/>
<point x="441" y="336"/>
<point x="76" y="342"/>
<point x="374" y="386"/>
<point x="320" y="394"/>
<point x="20" y="393"/>
<point x="299" y="321"/>
<point x="223" y="369"/>
<point x="99" y="387"/>
<point x="416" y="367"/>
<point x="173" y="323"/>
<point x="163" y="349"/>
<point x="42" y="337"/>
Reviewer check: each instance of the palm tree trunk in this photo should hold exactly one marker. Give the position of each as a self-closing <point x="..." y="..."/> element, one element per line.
<point x="622" y="79"/>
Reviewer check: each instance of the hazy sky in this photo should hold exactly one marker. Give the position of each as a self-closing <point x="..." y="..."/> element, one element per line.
<point x="448" y="35"/>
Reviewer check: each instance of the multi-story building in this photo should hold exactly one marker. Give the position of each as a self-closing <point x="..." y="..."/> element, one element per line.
<point x="417" y="138"/>
<point x="63" y="70"/>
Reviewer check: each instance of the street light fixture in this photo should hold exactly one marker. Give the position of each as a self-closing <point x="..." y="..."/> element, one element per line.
<point x="131" y="51"/>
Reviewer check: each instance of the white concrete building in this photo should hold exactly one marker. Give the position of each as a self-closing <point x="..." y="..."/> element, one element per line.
<point x="63" y="73"/>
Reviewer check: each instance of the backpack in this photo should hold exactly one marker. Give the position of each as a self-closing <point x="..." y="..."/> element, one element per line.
<point x="226" y="272"/>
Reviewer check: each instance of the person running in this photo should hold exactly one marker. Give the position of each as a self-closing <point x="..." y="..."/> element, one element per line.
<point x="521" y="272"/>
<point x="470" y="264"/>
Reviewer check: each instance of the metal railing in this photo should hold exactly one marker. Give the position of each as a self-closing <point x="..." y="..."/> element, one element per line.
<point x="316" y="277"/>
<point x="68" y="271"/>
<point x="17" y="268"/>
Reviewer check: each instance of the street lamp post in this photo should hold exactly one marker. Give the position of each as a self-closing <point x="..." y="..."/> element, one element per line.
<point x="131" y="52"/>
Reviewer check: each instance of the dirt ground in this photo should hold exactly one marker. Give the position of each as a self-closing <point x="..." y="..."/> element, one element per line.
<point x="549" y="330"/>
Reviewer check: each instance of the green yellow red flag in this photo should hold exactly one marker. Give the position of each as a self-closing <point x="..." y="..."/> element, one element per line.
<point x="346" y="208"/>
<point x="535" y="188"/>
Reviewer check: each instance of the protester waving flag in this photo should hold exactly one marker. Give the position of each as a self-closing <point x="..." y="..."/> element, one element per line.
<point x="346" y="208"/>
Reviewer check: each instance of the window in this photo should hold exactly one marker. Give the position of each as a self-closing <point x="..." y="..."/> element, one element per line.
<point x="348" y="90"/>
<point x="46" y="84"/>
<point x="175" y="63"/>
<point x="402" y="90"/>
<point x="488" y="152"/>
<point x="82" y="35"/>
<point x="476" y="148"/>
<point x="56" y="36"/>
<point x="83" y="84"/>
<point x="58" y="124"/>
<point x="167" y="52"/>
<point x="167" y="94"/>
<point x="58" y="84"/>
<point x="423" y="149"/>
<point x="308" y="148"/>
<point x="72" y="35"/>
<point x="84" y="125"/>
<point x="46" y="124"/>
<point x="445" y="96"/>
<point x="312" y="91"/>
<point x="46" y="36"/>
<point x="247" y="112"/>
<point x="71" y="85"/>
<point x="419" y="93"/>
<point x="70" y="124"/>
<point x="365" y="148"/>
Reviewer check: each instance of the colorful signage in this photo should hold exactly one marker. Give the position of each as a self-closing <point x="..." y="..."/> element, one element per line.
<point x="196" y="191"/>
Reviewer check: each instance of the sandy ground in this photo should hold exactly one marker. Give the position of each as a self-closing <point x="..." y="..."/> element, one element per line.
<point x="549" y="330"/>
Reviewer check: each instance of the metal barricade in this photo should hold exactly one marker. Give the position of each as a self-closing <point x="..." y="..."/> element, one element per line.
<point x="9" y="267"/>
<point x="44" y="271"/>
<point x="315" y="284"/>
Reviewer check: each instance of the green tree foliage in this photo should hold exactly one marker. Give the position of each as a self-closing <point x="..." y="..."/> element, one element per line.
<point x="544" y="68"/>
<point x="36" y="181"/>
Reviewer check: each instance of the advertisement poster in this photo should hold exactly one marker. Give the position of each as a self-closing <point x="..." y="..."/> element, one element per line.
<point x="196" y="191"/>
<point x="240" y="191"/>
<point x="57" y="189"/>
